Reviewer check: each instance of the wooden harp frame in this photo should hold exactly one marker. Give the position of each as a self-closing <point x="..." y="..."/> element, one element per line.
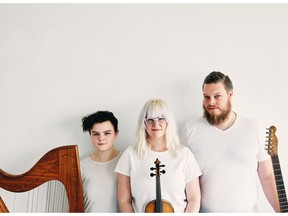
<point x="60" y="164"/>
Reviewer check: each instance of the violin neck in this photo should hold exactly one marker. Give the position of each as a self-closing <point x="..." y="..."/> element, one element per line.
<point x="159" y="207"/>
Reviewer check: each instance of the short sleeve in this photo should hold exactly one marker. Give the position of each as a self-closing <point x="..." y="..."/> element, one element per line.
<point x="123" y="166"/>
<point x="192" y="169"/>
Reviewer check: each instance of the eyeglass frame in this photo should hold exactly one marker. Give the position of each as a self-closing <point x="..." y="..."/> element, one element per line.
<point x="160" y="120"/>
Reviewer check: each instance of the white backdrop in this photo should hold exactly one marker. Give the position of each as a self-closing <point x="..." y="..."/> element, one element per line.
<point x="59" y="62"/>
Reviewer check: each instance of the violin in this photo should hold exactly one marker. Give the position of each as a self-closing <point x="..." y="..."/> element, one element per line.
<point x="158" y="204"/>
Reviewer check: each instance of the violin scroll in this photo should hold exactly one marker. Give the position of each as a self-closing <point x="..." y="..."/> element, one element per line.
<point x="157" y="167"/>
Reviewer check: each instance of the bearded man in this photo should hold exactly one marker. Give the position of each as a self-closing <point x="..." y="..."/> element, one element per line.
<point x="230" y="150"/>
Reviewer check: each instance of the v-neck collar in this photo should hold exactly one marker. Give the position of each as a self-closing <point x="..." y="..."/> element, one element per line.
<point x="235" y="123"/>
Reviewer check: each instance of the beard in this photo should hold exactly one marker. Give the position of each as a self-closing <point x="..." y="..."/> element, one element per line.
<point x="220" y="118"/>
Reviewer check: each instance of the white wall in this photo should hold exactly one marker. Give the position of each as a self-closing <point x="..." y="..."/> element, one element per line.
<point x="61" y="62"/>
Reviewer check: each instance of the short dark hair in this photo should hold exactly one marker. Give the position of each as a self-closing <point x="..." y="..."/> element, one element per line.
<point x="98" y="117"/>
<point x="215" y="77"/>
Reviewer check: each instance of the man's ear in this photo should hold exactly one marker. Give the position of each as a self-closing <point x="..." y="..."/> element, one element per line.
<point x="231" y="93"/>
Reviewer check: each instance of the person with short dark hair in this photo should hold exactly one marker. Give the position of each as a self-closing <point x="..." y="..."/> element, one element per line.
<point x="97" y="170"/>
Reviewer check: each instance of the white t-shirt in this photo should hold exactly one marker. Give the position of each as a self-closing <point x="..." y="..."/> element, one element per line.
<point x="228" y="160"/>
<point x="99" y="185"/>
<point x="179" y="171"/>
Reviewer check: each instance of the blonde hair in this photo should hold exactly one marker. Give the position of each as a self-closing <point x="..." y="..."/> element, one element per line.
<point x="154" y="108"/>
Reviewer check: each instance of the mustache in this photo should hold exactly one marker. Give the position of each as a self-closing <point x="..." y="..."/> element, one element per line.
<point x="217" y="119"/>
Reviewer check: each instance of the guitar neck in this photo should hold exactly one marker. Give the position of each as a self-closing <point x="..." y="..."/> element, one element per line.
<point x="279" y="184"/>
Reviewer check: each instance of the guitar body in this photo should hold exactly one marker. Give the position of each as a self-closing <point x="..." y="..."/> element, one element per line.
<point x="272" y="148"/>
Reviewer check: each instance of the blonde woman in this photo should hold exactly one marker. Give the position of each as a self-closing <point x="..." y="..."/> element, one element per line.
<point x="157" y="138"/>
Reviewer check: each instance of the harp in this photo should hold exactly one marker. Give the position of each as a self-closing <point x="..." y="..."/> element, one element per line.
<point x="60" y="164"/>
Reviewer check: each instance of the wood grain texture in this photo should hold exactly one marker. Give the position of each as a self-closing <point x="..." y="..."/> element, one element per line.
<point x="60" y="164"/>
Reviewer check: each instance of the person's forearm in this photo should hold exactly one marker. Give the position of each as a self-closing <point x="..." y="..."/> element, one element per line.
<point x="193" y="206"/>
<point x="271" y="193"/>
<point x="266" y="176"/>
<point x="126" y="207"/>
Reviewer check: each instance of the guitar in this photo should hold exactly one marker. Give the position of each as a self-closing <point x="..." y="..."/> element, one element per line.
<point x="158" y="205"/>
<point x="272" y="149"/>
